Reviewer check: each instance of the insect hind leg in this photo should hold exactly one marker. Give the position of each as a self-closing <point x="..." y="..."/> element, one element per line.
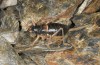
<point x="62" y="32"/>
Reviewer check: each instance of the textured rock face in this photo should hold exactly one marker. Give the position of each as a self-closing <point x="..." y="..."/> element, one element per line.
<point x="8" y="21"/>
<point x="93" y="7"/>
<point x="7" y="54"/>
<point x="6" y="3"/>
<point x="20" y="46"/>
<point x="44" y="11"/>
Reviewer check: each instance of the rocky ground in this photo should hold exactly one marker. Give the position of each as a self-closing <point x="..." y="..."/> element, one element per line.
<point x="19" y="45"/>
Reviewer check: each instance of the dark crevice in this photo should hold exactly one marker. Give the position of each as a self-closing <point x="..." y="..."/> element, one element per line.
<point x="20" y="27"/>
<point x="0" y="23"/>
<point x="21" y="54"/>
<point x="78" y="8"/>
<point x="72" y="25"/>
<point x="13" y="45"/>
<point x="5" y="9"/>
<point x="98" y="10"/>
<point x="74" y="14"/>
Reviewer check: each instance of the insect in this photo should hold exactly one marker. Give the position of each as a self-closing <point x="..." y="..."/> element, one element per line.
<point x="50" y="28"/>
<point x="53" y="30"/>
<point x="54" y="35"/>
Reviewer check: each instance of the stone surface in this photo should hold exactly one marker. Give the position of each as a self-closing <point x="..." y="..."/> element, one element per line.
<point x="7" y="54"/>
<point x="7" y="3"/>
<point x="43" y="11"/>
<point x="93" y="7"/>
<point x="82" y="42"/>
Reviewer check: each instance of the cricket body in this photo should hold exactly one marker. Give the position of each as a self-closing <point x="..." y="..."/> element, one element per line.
<point x="53" y="30"/>
<point x="50" y="28"/>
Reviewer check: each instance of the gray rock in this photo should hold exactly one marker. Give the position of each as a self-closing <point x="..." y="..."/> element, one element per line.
<point x="7" y="54"/>
<point x="6" y="3"/>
